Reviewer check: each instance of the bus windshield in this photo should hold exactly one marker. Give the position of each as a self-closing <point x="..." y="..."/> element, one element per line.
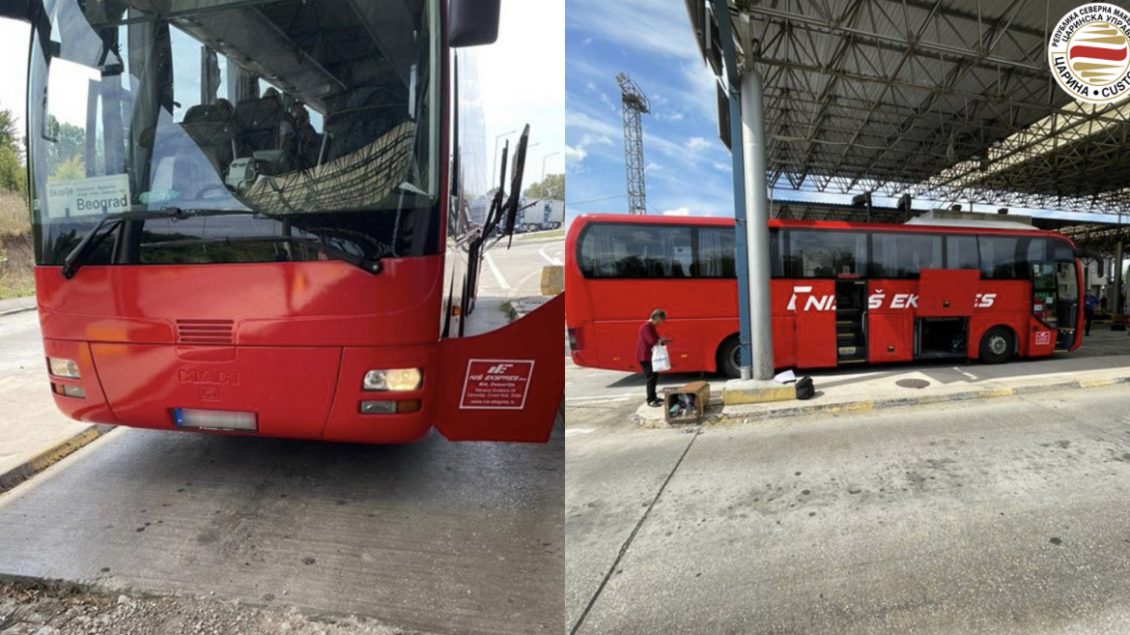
<point x="319" y="115"/>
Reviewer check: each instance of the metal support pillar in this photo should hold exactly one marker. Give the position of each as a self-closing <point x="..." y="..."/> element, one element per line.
<point x="757" y="231"/>
<point x="1117" y="299"/>
<point x="733" y="94"/>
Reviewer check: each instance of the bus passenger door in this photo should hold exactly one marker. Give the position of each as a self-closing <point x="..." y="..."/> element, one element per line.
<point x="505" y="385"/>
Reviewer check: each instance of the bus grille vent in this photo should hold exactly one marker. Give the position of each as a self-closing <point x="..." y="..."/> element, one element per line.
<point x="211" y="332"/>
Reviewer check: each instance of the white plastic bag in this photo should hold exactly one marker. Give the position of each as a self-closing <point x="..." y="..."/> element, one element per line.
<point x="660" y="362"/>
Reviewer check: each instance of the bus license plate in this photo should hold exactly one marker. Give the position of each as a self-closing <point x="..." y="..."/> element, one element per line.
<point x="215" y="419"/>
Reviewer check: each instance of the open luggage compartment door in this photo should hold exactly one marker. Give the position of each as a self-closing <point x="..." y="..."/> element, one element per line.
<point x="947" y="292"/>
<point x="505" y="385"/>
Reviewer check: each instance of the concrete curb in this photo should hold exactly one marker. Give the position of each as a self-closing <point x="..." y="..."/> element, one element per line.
<point x="51" y="456"/>
<point x="869" y="405"/>
<point x="22" y="309"/>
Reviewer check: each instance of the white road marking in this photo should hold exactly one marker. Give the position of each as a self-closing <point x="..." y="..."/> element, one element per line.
<point x="497" y="274"/>
<point x="572" y="431"/>
<point x="551" y="260"/>
<point x="967" y="375"/>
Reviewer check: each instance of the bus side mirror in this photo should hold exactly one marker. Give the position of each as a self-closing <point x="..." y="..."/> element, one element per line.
<point x="472" y="22"/>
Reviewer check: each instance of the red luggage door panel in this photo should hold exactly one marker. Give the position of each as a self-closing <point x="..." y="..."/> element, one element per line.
<point x="890" y="337"/>
<point x="947" y="292"/>
<point x="505" y="385"/>
<point x="813" y="303"/>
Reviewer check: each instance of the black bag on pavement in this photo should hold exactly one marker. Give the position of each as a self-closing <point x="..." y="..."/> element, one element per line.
<point x="804" y="388"/>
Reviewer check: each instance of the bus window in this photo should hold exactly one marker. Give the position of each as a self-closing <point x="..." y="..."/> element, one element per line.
<point x="904" y="255"/>
<point x="999" y="257"/>
<point x="716" y="253"/>
<point x="961" y="252"/>
<point x="636" y="251"/>
<point x="1060" y="251"/>
<point x="825" y="254"/>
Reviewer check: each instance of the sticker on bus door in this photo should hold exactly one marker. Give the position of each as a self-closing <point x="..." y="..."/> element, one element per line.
<point x="505" y="385"/>
<point x="496" y="384"/>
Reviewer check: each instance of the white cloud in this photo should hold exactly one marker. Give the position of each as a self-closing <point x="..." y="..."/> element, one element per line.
<point x="678" y="211"/>
<point x="697" y="144"/>
<point x="574" y="156"/>
<point x="652" y="167"/>
<point x="591" y="139"/>
<point x="656" y="28"/>
<point x="722" y="167"/>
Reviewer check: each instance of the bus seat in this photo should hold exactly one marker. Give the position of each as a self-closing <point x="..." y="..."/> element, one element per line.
<point x="259" y="123"/>
<point x="367" y="114"/>
<point x="211" y="127"/>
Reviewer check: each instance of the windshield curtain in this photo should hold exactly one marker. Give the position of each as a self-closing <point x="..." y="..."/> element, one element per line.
<point x="319" y="115"/>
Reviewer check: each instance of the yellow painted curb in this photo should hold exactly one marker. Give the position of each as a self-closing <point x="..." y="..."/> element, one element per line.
<point x="760" y="395"/>
<point x="552" y="280"/>
<point x="1097" y="383"/>
<point x="53" y="455"/>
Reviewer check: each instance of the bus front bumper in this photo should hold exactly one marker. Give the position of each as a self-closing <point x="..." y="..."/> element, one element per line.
<point x="291" y="392"/>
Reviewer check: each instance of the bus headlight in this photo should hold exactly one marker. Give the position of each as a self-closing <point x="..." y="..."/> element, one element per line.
<point x="394" y="379"/>
<point x="63" y="367"/>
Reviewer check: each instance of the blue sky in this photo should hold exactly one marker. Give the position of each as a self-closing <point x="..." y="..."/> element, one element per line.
<point x="688" y="170"/>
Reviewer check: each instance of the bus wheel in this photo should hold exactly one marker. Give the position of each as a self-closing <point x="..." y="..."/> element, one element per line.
<point x="729" y="357"/>
<point x="997" y="345"/>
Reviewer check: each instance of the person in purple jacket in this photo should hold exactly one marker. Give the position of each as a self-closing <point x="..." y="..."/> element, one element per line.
<point x="646" y="340"/>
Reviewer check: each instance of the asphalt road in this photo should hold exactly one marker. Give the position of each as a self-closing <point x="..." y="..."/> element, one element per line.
<point x="516" y="272"/>
<point x="434" y="536"/>
<point x="994" y="516"/>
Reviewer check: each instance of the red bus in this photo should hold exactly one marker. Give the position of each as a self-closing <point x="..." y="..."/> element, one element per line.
<point x="842" y="293"/>
<point x="247" y="220"/>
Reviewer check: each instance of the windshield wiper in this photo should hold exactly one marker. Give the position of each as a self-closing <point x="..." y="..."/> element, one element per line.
<point x="369" y="264"/>
<point x="110" y="222"/>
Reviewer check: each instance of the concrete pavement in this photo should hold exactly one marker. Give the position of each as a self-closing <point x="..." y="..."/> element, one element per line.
<point x="434" y="536"/>
<point x="996" y="516"/>
<point x="17" y="305"/>
<point x="33" y="433"/>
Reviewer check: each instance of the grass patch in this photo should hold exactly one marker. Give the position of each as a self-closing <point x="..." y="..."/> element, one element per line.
<point x="14" y="215"/>
<point x="17" y="257"/>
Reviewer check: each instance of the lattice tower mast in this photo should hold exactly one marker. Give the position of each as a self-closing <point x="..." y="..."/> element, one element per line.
<point x="634" y="103"/>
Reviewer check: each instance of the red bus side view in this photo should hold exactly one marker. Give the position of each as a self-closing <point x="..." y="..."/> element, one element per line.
<point x="241" y="228"/>
<point x="842" y="293"/>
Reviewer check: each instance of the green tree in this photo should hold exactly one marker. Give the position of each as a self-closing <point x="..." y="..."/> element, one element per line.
<point x="13" y="175"/>
<point x="552" y="187"/>
<point x="70" y="170"/>
<point x="9" y="132"/>
<point x="68" y="147"/>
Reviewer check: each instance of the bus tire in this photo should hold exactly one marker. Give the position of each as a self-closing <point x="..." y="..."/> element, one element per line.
<point x="729" y="363"/>
<point x="997" y="345"/>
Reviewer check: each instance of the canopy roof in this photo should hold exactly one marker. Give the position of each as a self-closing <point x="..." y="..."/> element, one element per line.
<point x="948" y="99"/>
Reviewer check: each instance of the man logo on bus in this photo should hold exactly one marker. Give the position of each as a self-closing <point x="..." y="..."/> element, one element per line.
<point x="1089" y="53"/>
<point x="498" y="369"/>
